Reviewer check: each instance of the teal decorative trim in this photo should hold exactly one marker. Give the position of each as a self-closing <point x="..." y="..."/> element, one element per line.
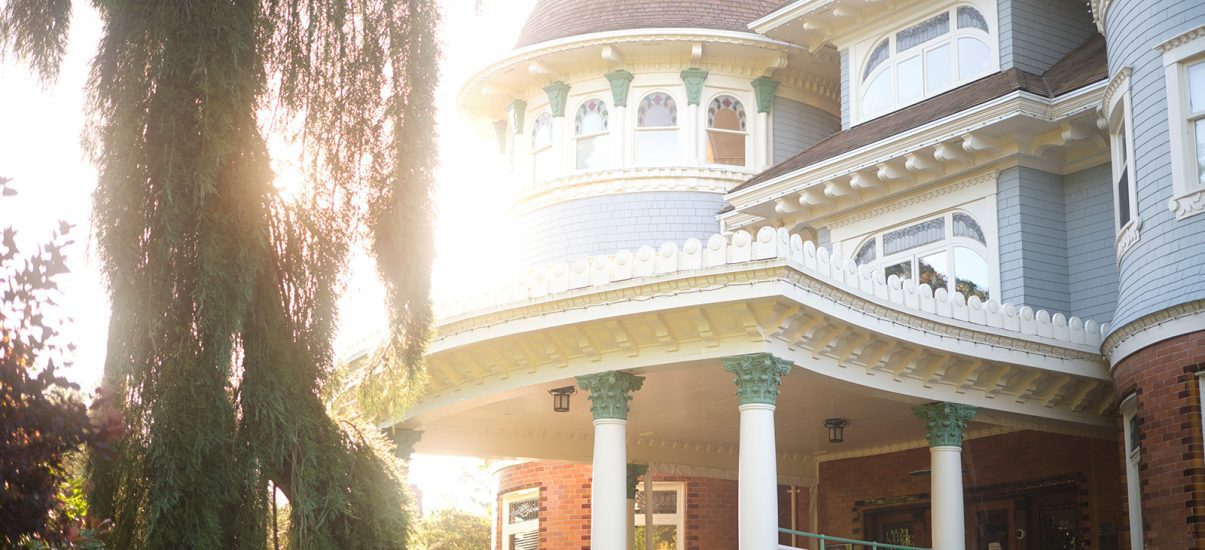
<point x="557" y="92"/>
<point x="944" y="422"/>
<point x="515" y="112"/>
<point x="757" y="376"/>
<point x="635" y="471"/>
<point x="620" y="82"/>
<point x="763" y="88"/>
<point x="610" y="392"/>
<point x="693" y="79"/>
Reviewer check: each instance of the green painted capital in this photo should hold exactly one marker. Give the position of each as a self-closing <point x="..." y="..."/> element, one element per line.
<point x="515" y="111"/>
<point x="757" y="376"/>
<point x="693" y="79"/>
<point x="557" y="92"/>
<point x="620" y="82"/>
<point x="944" y="422"/>
<point x="610" y="392"/>
<point x="635" y="471"/>
<point x="763" y="88"/>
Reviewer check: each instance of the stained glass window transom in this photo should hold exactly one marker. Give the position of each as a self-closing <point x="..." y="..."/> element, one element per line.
<point x="953" y="259"/>
<point x="726" y="113"/>
<point x="970" y="18"/>
<point x="922" y="32"/>
<point x="877" y="57"/>
<point x="541" y="131"/>
<point x="523" y="510"/>
<point x="966" y="226"/>
<point x="657" y="110"/>
<point x="591" y="118"/>
<point x="866" y="254"/>
<point x="914" y="236"/>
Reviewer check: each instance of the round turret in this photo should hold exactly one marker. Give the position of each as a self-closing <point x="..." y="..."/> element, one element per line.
<point x="626" y="124"/>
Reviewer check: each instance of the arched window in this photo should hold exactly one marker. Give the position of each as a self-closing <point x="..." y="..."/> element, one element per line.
<point x="947" y="252"/>
<point x="726" y="131"/>
<point x="656" y="130"/>
<point x="925" y="59"/>
<point x="590" y="129"/>
<point x="541" y="148"/>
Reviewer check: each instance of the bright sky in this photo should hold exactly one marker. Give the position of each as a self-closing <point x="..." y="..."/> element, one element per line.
<point x="40" y="150"/>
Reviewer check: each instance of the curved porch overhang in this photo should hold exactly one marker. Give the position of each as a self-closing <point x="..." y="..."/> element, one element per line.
<point x="776" y="294"/>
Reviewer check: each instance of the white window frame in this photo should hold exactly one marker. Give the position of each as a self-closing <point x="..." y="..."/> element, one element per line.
<point x="608" y="149"/>
<point x="637" y="129"/>
<point x="1188" y="193"/>
<point x="530" y="526"/>
<point x="535" y="152"/>
<point x="750" y="122"/>
<point x="677" y="519"/>
<point x="1133" y="462"/>
<point x="858" y="84"/>
<point x="946" y="244"/>
<point x="1119" y="115"/>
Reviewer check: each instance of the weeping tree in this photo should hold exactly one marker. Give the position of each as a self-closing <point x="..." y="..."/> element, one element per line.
<point x="223" y="287"/>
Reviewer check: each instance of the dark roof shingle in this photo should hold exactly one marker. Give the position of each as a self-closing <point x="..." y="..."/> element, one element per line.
<point x="552" y="19"/>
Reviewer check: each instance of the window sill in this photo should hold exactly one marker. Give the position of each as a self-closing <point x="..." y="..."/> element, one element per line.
<point x="1187" y="204"/>
<point x="1128" y="236"/>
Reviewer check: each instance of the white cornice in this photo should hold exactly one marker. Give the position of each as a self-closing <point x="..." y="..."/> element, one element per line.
<point x="1153" y="328"/>
<point x="629" y="180"/>
<point x="1100" y="9"/>
<point x="914" y="199"/>
<point x="1181" y="39"/>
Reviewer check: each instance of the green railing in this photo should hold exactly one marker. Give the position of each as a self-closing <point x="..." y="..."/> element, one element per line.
<point x="838" y="540"/>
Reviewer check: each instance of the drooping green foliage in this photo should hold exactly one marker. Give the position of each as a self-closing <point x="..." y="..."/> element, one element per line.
<point x="224" y="288"/>
<point x="453" y="529"/>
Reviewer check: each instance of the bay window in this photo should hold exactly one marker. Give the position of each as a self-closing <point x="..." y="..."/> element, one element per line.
<point x="925" y="59"/>
<point x="1184" y="70"/>
<point x="945" y="252"/>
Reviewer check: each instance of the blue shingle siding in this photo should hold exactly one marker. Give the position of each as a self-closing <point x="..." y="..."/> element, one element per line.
<point x="1033" y="249"/>
<point x="610" y="223"/>
<point x="1091" y="260"/>
<point x="845" y="89"/>
<point x="1166" y="266"/>
<point x="1034" y="34"/>
<point x="798" y="126"/>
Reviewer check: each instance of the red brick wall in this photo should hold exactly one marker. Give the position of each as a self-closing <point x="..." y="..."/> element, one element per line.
<point x="995" y="465"/>
<point x="1172" y="465"/>
<point x="710" y="514"/>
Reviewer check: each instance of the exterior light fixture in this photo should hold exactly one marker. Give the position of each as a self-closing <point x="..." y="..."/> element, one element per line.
<point x="560" y="398"/>
<point x="836" y="429"/>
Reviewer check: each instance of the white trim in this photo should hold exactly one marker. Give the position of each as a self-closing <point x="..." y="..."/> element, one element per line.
<point x="1133" y="462"/>
<point x="1188" y="195"/>
<point x="531" y="526"/>
<point x="1117" y="107"/>
<point x="1163" y="330"/>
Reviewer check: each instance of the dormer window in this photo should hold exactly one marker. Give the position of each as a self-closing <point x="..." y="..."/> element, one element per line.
<point x="590" y="131"/>
<point x="541" y="148"/>
<point x="726" y="131"/>
<point x="656" y="130"/>
<point x="925" y="59"/>
<point x="945" y="252"/>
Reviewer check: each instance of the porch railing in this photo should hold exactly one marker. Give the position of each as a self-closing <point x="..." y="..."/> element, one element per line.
<point x="833" y="543"/>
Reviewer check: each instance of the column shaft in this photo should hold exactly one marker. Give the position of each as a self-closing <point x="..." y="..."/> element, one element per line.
<point x="757" y="515"/>
<point x="946" y="489"/>
<point x="608" y="495"/>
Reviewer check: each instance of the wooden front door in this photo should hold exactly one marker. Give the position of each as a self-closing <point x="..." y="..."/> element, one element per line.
<point x="993" y="526"/>
<point x="906" y="527"/>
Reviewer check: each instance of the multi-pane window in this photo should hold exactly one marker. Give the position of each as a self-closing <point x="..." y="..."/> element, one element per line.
<point x="667" y="507"/>
<point x="1121" y="147"/>
<point x="927" y="58"/>
<point x="656" y="130"/>
<point x="1184" y="70"/>
<point x="590" y="130"/>
<point x="945" y="252"/>
<point x="521" y="520"/>
<point x="726" y="131"/>
<point x="541" y="148"/>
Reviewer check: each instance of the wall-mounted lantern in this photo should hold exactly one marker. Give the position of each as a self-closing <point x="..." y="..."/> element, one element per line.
<point x="560" y="398"/>
<point x="836" y="429"/>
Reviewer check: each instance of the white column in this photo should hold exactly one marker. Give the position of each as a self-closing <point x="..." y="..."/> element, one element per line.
<point x="761" y="144"/>
<point x="618" y="137"/>
<point x="608" y="498"/>
<point x="944" y="423"/>
<point x="757" y="378"/>
<point x="945" y="486"/>
<point x="757" y="516"/>
<point x="609" y="395"/>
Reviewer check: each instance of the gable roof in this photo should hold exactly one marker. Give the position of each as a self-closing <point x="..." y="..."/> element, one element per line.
<point x="1081" y="67"/>
<point x="552" y="19"/>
